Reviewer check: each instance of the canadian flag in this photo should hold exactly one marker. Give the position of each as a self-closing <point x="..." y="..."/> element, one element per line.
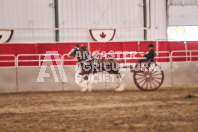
<point x="102" y="35"/>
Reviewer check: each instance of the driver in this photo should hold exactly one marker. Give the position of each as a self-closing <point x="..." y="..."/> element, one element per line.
<point x="149" y="57"/>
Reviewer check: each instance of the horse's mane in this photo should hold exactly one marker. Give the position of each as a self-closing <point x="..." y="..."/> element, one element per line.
<point x="84" y="49"/>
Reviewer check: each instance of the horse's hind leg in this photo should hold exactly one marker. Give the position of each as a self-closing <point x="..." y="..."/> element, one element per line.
<point x="117" y="80"/>
<point x="120" y="84"/>
<point x="84" y="84"/>
<point x="89" y="83"/>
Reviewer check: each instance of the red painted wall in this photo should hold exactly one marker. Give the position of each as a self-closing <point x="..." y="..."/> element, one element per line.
<point x="64" y="48"/>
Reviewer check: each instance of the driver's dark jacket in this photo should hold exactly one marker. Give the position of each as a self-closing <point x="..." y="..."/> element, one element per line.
<point x="150" y="56"/>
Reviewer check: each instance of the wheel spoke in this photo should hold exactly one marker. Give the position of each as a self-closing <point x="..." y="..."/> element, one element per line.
<point x="144" y="83"/>
<point x="139" y="81"/>
<point x="157" y="78"/>
<point x="156" y="81"/>
<point x="139" y="78"/>
<point x="151" y="85"/>
<point x="147" y="84"/>
<point x="154" y="84"/>
<point x="140" y="74"/>
<point x="153" y="70"/>
<point x="149" y="79"/>
<point x="156" y="74"/>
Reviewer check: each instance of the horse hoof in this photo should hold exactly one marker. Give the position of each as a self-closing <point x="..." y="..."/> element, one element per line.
<point x="89" y="90"/>
<point x="117" y="85"/>
<point x="119" y="89"/>
<point x="83" y="90"/>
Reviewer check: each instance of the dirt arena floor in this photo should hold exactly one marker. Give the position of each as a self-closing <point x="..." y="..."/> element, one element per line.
<point x="167" y="109"/>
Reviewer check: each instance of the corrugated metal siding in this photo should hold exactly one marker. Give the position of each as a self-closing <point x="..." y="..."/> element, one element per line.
<point x="28" y="14"/>
<point x="158" y="29"/>
<point x="81" y="14"/>
<point x="183" y="13"/>
<point x="183" y="16"/>
<point x="100" y="14"/>
<point x="183" y="2"/>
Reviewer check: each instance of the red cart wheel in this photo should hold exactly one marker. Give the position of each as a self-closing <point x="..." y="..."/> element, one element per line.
<point x="149" y="78"/>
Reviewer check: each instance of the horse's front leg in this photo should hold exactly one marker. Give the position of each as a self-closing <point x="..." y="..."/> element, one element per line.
<point x="88" y="83"/>
<point x="90" y="80"/>
<point x="84" y="83"/>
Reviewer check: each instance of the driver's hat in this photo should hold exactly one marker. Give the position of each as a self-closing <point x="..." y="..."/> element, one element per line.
<point x="151" y="45"/>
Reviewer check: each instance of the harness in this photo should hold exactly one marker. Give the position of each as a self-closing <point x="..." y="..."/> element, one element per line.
<point x="94" y="57"/>
<point x="86" y="63"/>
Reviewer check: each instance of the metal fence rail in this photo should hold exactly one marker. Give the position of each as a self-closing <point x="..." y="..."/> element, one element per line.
<point x="186" y="56"/>
<point x="125" y="57"/>
<point x="3" y="60"/>
<point x="39" y="60"/>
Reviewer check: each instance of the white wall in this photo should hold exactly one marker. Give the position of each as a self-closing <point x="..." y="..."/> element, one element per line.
<point x="183" y="15"/>
<point x="176" y="74"/>
<point x="81" y="14"/>
<point x="8" y="81"/>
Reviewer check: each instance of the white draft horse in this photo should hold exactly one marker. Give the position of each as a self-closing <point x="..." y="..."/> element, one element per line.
<point x="88" y="65"/>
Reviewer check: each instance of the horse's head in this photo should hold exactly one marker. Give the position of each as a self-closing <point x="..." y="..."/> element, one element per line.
<point x="77" y="50"/>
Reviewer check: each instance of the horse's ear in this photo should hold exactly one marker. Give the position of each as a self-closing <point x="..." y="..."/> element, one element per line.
<point x="77" y="45"/>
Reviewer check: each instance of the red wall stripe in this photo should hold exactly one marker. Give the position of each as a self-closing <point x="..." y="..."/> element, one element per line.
<point x="64" y="48"/>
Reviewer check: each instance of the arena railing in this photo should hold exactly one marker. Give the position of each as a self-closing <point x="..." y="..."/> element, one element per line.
<point x="17" y="59"/>
<point x="157" y="56"/>
<point x="107" y="54"/>
<point x="193" y="55"/>
<point x="186" y="56"/>
<point x="39" y="60"/>
<point x="132" y="55"/>
<point x="13" y="60"/>
<point x="125" y="55"/>
<point x="67" y="60"/>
